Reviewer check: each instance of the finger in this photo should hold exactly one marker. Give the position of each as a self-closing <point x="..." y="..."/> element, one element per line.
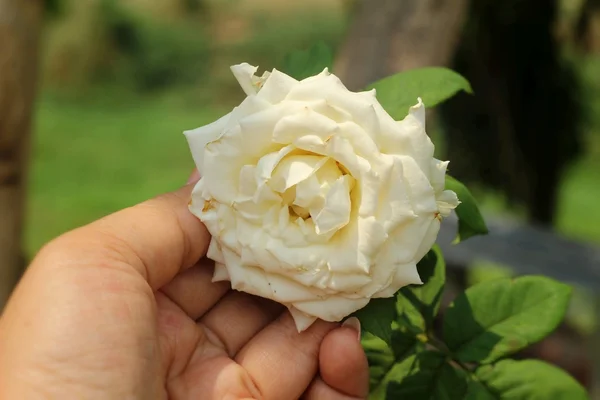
<point x="281" y="361"/>
<point x="238" y="317"/>
<point x="157" y="238"/>
<point x="343" y="366"/>
<point x="319" y="390"/>
<point x="178" y="335"/>
<point x="193" y="290"/>
<point x="194" y="177"/>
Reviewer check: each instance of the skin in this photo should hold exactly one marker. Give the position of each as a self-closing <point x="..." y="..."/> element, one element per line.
<point x="124" y="308"/>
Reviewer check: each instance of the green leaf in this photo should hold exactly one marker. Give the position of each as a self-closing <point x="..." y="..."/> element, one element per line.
<point x="529" y="380"/>
<point x="470" y="220"/>
<point x="496" y="318"/>
<point x="304" y="63"/>
<point x="403" y="342"/>
<point x="399" y="92"/>
<point x="418" y="304"/>
<point x="478" y="391"/>
<point x="377" y="317"/>
<point x="397" y="372"/>
<point x="432" y="267"/>
<point x="430" y="377"/>
<point x="379" y="356"/>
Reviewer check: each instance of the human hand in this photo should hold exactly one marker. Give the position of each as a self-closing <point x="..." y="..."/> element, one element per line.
<point x="124" y="308"/>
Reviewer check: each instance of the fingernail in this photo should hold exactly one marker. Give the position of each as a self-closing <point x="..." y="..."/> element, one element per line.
<point x="195" y="177"/>
<point x="353" y="323"/>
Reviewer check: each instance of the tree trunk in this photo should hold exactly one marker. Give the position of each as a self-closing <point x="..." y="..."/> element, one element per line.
<point x="20" y="24"/>
<point x="389" y="36"/>
<point x="523" y="127"/>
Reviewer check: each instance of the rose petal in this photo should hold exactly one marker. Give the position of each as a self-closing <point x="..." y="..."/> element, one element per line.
<point x="335" y="213"/>
<point x="404" y="241"/>
<point x="308" y="190"/>
<point x="428" y="239"/>
<point x="332" y="309"/>
<point x="405" y="274"/>
<point x="447" y="201"/>
<point x="332" y="112"/>
<point x="437" y="176"/>
<point x="214" y="252"/>
<point x="304" y="122"/>
<point x="276" y="87"/>
<point x="340" y="149"/>
<point x="198" y="139"/>
<point x="302" y="320"/>
<point x="412" y="139"/>
<point x="293" y="169"/>
<point x="220" y="273"/>
<point x="394" y="206"/>
<point x="247" y="185"/>
<point x="347" y="283"/>
<point x="331" y="89"/>
<point x="267" y="164"/>
<point x="226" y="151"/>
<point x="256" y="128"/>
<point x="244" y="73"/>
<point x="361" y="142"/>
<point x="356" y="245"/>
<point x="422" y="195"/>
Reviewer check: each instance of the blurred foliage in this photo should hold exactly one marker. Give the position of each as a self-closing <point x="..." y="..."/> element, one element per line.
<point x="302" y="64"/>
<point x="154" y="55"/>
<point x="106" y="41"/>
<point x="118" y="43"/>
<point x="195" y="6"/>
<point x="269" y="45"/>
<point x="53" y="8"/>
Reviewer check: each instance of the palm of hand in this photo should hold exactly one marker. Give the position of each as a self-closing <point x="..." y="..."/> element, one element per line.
<point x="123" y="315"/>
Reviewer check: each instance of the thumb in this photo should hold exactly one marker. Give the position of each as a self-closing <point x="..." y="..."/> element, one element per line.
<point x="158" y="238"/>
<point x="343" y="366"/>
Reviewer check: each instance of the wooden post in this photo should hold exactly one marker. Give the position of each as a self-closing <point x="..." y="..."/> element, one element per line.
<point x="389" y="36"/>
<point x="20" y="24"/>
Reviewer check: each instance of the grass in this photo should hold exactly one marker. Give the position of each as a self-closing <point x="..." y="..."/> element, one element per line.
<point x="92" y="158"/>
<point x="578" y="214"/>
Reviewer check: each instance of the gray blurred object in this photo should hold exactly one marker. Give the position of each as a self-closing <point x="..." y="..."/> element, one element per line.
<point x="526" y="249"/>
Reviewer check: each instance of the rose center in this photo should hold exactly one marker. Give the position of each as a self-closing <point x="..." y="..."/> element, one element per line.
<point x="314" y="187"/>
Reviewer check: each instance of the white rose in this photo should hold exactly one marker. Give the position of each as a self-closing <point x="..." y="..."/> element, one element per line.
<point x="315" y="197"/>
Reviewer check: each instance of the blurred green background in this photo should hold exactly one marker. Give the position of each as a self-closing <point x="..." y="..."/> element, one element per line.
<point x="123" y="79"/>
